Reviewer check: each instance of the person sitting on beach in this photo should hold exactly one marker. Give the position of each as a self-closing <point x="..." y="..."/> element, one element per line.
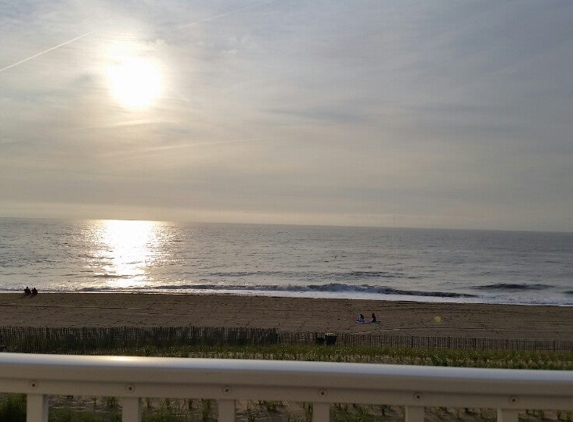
<point x="27" y="291"/>
<point x="360" y="319"/>
<point x="34" y="291"/>
<point x="374" y="320"/>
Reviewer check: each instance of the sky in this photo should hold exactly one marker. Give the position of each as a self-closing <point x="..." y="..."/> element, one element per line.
<point x="441" y="114"/>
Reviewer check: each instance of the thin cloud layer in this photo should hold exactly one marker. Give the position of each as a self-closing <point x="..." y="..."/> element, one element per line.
<point x="437" y="114"/>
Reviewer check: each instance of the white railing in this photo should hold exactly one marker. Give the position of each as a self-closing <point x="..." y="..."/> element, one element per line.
<point x="415" y="387"/>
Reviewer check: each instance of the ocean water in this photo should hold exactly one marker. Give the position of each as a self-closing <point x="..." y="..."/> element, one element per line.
<point x="281" y="260"/>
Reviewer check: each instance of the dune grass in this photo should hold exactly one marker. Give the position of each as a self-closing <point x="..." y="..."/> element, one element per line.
<point x="364" y="354"/>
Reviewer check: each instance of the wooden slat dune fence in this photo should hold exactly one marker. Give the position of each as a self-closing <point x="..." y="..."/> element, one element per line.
<point x="54" y="340"/>
<point x="423" y="342"/>
<point x="31" y="339"/>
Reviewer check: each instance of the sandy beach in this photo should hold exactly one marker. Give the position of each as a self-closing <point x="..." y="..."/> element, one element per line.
<point x="287" y="314"/>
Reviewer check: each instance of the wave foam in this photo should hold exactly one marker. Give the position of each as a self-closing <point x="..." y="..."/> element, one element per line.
<point x="513" y="286"/>
<point x="290" y="288"/>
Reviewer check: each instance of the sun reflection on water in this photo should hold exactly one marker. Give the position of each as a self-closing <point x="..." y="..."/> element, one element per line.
<point x="127" y="249"/>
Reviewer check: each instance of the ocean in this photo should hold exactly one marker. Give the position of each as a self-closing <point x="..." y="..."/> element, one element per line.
<point x="429" y="265"/>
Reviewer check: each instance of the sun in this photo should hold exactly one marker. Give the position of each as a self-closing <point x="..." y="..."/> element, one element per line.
<point x="134" y="82"/>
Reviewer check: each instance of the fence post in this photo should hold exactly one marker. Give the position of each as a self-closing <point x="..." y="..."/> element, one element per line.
<point x="226" y="410"/>
<point x="37" y="408"/>
<point x="321" y="412"/>
<point x="506" y="415"/>
<point x="131" y="409"/>
<point x="414" y="414"/>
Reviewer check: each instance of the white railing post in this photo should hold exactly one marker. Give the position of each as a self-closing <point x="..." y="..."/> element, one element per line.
<point x="321" y="412"/>
<point x="507" y="415"/>
<point x="37" y="408"/>
<point x="226" y="410"/>
<point x="414" y="414"/>
<point x="131" y="409"/>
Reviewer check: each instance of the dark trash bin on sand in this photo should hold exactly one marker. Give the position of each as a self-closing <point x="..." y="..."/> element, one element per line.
<point x="329" y="339"/>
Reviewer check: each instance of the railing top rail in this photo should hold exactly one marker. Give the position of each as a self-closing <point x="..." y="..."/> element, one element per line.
<point x="231" y="372"/>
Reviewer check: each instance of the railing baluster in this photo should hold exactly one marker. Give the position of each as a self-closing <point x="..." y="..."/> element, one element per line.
<point x="131" y="409"/>
<point x="414" y="414"/>
<point x="321" y="412"/>
<point x="226" y="410"/>
<point x="37" y="408"/>
<point x="507" y="415"/>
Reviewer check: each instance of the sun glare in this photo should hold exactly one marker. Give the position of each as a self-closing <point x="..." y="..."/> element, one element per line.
<point x="129" y="247"/>
<point x="134" y="82"/>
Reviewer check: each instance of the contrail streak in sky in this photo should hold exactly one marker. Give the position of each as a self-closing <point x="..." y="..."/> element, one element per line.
<point x="43" y="52"/>
<point x="218" y="16"/>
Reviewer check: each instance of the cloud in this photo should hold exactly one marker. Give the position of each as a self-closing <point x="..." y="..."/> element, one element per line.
<point x="442" y="114"/>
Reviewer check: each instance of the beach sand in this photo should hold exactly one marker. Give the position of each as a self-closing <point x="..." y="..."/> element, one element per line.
<point x="287" y="314"/>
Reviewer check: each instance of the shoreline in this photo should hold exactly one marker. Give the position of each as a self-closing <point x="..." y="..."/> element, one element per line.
<point x="365" y="298"/>
<point x="289" y="314"/>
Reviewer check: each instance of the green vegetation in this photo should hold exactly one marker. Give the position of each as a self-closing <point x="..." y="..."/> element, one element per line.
<point x="13" y="408"/>
<point x="359" y="354"/>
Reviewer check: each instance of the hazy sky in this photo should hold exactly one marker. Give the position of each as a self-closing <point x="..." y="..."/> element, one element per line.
<point x="387" y="113"/>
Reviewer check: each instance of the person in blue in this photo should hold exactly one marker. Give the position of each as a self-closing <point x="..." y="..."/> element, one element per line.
<point x="360" y="319"/>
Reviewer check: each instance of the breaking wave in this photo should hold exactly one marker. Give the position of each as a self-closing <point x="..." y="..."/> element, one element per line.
<point x="513" y="287"/>
<point x="264" y="288"/>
